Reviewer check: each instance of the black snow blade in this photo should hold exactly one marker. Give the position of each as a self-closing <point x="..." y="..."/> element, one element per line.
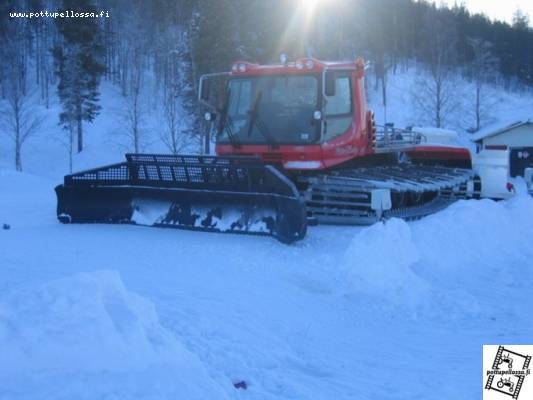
<point x="211" y="193"/>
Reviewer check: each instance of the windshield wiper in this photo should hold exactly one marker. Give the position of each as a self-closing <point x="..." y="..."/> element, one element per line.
<point x="228" y="124"/>
<point x="255" y="120"/>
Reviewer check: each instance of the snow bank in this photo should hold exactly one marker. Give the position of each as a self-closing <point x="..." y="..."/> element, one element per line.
<point x="432" y="266"/>
<point x="479" y="235"/>
<point x="378" y="264"/>
<point x="87" y="335"/>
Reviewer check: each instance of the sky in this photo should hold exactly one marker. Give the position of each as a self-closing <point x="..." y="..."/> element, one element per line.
<point x="498" y="9"/>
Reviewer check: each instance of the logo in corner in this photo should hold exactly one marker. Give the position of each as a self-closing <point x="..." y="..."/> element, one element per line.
<point x="506" y="372"/>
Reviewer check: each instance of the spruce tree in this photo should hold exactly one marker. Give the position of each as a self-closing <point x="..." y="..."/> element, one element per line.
<point x="79" y="67"/>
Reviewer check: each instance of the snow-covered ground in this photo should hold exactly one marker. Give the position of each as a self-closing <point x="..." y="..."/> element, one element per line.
<point x="396" y="310"/>
<point x="392" y="311"/>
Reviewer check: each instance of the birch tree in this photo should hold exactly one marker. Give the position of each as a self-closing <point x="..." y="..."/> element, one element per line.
<point x="436" y="93"/>
<point x="481" y="69"/>
<point x="20" y="119"/>
<point x="135" y="107"/>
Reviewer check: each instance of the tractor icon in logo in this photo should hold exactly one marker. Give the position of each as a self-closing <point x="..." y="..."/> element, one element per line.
<point x="506" y="382"/>
<point x="506" y="358"/>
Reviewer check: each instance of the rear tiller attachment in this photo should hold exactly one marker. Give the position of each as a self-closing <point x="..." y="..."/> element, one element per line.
<point x="224" y="194"/>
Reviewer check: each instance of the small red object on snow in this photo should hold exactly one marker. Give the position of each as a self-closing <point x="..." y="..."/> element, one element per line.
<point x="510" y="187"/>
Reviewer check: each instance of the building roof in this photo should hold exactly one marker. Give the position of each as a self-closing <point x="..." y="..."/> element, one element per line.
<point x="497" y="130"/>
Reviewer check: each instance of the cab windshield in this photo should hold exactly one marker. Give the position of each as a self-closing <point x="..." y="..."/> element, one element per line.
<point x="271" y="110"/>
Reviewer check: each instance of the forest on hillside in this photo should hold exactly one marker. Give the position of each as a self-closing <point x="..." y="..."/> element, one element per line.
<point x="158" y="49"/>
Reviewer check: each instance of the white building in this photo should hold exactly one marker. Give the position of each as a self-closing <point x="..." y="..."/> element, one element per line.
<point x="501" y="156"/>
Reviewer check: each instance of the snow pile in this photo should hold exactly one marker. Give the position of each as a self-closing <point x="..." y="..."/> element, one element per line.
<point x="430" y="267"/>
<point x="378" y="264"/>
<point x="90" y="328"/>
<point x="478" y="235"/>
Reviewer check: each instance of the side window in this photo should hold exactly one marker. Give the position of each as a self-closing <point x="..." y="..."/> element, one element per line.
<point x="339" y="109"/>
<point x="240" y="101"/>
<point x="241" y="93"/>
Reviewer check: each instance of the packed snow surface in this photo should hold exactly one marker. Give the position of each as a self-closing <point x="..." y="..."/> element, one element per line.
<point x="392" y="311"/>
<point x="76" y="337"/>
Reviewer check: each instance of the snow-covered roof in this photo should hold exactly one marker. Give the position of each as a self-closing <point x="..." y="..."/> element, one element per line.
<point x="496" y="130"/>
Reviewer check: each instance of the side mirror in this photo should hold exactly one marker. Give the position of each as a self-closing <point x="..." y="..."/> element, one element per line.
<point x="204" y="90"/>
<point x="330" y="83"/>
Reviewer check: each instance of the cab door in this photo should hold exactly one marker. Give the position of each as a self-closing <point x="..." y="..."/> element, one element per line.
<point x="520" y="159"/>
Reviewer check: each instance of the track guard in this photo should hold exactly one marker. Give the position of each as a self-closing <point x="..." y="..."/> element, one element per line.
<point x="291" y="221"/>
<point x="222" y="194"/>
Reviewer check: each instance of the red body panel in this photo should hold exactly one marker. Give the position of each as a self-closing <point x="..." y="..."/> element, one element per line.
<point x="355" y="142"/>
<point x="439" y="153"/>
